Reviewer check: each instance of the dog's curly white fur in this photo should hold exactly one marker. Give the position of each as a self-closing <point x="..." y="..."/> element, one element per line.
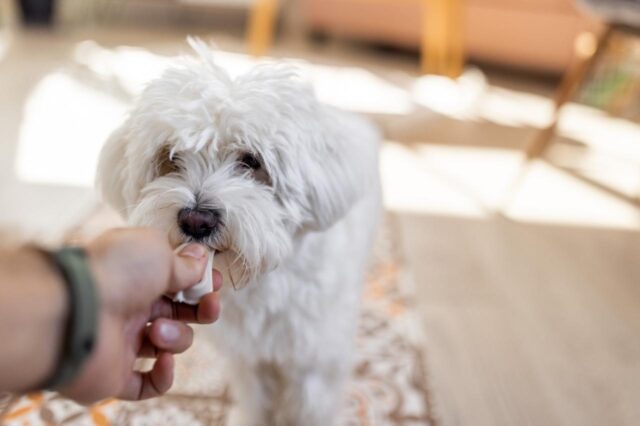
<point x="295" y="228"/>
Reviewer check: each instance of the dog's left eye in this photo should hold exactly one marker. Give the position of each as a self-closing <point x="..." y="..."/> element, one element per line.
<point x="249" y="161"/>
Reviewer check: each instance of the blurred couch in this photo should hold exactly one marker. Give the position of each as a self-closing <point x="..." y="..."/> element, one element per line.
<point x="535" y="35"/>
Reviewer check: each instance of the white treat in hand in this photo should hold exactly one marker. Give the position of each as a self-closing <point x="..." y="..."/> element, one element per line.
<point x="193" y="294"/>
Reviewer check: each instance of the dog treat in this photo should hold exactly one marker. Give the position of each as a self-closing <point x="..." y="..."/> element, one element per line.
<point x="193" y="295"/>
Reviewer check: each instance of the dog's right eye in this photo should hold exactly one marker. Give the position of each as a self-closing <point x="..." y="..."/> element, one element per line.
<point x="249" y="161"/>
<point x="165" y="163"/>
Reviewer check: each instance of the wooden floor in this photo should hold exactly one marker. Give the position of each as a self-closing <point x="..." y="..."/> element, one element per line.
<point x="527" y="324"/>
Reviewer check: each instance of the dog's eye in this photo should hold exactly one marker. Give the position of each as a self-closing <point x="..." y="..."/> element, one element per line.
<point x="165" y="163"/>
<point x="249" y="161"/>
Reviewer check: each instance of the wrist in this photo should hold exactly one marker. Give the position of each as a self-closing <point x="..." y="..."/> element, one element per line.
<point x="35" y="309"/>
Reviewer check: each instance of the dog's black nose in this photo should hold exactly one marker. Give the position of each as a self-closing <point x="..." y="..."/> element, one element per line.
<point x="198" y="223"/>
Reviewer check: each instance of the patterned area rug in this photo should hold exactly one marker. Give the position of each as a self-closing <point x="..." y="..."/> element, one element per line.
<point x="388" y="386"/>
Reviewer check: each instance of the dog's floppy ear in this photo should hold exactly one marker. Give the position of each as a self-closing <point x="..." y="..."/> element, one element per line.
<point x="113" y="179"/>
<point x="341" y="169"/>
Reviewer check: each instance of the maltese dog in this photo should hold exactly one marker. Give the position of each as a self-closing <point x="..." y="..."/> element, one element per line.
<point x="285" y="192"/>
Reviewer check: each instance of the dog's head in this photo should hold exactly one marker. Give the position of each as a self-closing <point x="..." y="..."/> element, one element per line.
<point x="242" y="165"/>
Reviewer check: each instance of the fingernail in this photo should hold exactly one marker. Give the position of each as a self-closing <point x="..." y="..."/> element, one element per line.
<point x="196" y="251"/>
<point x="169" y="332"/>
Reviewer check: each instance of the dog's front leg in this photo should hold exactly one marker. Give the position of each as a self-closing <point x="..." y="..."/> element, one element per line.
<point x="271" y="395"/>
<point x="311" y="396"/>
<point x="253" y="399"/>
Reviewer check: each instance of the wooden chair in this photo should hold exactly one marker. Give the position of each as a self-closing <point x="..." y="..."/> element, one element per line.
<point x="621" y="16"/>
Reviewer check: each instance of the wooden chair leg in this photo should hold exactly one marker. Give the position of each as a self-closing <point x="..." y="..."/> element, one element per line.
<point x="430" y="47"/>
<point x="441" y="46"/>
<point x="456" y="38"/>
<point x="262" y="21"/>
<point x="586" y="56"/>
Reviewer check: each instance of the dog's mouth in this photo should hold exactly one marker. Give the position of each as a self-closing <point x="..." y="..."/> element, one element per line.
<point x="216" y="250"/>
<point x="212" y="246"/>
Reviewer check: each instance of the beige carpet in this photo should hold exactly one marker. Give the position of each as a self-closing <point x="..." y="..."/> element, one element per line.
<point x="388" y="387"/>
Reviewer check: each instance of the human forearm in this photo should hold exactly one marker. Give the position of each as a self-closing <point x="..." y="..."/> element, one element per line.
<point x="32" y="317"/>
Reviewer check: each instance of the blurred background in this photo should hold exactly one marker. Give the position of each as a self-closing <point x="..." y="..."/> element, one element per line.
<point x="509" y="263"/>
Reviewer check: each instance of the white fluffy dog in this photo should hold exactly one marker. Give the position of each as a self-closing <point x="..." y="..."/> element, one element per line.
<point x="285" y="190"/>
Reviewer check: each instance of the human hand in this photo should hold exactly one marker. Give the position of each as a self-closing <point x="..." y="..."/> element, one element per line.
<point x="133" y="269"/>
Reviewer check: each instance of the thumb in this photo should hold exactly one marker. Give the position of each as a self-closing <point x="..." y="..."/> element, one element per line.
<point x="188" y="267"/>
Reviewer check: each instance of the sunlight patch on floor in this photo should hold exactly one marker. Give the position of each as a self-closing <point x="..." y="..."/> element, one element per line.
<point x="409" y="186"/>
<point x="600" y="147"/>
<point x="620" y="174"/>
<point x="452" y="98"/>
<point x="484" y="174"/>
<point x="65" y="123"/>
<point x="599" y="131"/>
<point x="357" y="89"/>
<point x="477" y="182"/>
<point x="548" y="195"/>
<point x="514" y="109"/>
<point x="130" y="67"/>
<point x="472" y="97"/>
